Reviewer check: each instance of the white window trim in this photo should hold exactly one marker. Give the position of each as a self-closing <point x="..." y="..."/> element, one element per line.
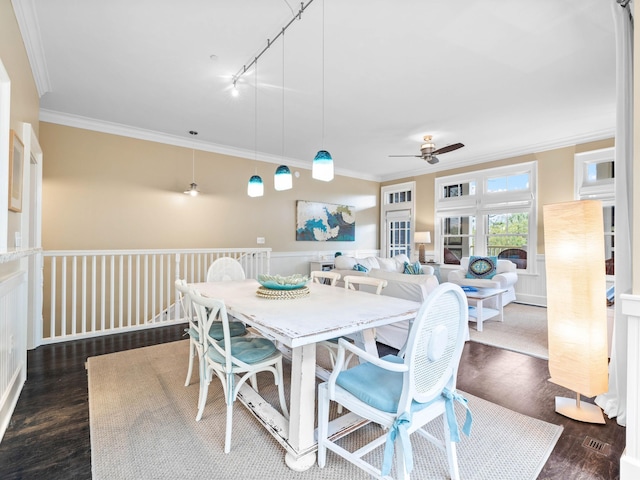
<point x="482" y="204"/>
<point x="393" y="207"/>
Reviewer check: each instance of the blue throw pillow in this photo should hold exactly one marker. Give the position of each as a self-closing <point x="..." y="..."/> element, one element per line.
<point x="413" y="269"/>
<point x="360" y="268"/>
<point x="482" y="267"/>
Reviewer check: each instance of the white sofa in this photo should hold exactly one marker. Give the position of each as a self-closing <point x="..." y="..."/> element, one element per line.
<point x="506" y="277"/>
<point x="399" y="284"/>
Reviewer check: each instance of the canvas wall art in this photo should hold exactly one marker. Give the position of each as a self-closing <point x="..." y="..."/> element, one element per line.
<point x="325" y="222"/>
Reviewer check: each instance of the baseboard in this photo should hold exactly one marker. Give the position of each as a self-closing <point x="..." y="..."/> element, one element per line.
<point x="10" y="398"/>
<point x="537" y="300"/>
<point x="629" y="467"/>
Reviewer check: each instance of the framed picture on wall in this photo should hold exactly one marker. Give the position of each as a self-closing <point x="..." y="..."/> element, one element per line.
<point x="16" y="164"/>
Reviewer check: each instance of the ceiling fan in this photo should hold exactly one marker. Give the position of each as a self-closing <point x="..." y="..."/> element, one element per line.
<point x="428" y="150"/>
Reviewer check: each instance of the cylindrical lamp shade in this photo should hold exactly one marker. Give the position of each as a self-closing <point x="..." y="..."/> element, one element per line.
<point x="322" y="168"/>
<point x="255" y="188"/>
<point x="282" y="179"/>
<point x="422" y="237"/>
<point x="576" y="296"/>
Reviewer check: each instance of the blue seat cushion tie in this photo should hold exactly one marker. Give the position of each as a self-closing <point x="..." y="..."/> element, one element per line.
<point x="248" y="350"/>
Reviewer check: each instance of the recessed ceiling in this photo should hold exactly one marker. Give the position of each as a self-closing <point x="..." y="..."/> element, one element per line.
<point x="504" y="78"/>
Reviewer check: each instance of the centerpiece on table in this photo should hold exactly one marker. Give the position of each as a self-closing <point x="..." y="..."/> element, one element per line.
<point x="281" y="287"/>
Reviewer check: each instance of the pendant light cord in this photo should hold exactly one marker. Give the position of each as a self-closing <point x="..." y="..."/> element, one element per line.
<point x="322" y="142"/>
<point x="283" y="93"/>
<point x="255" y="118"/>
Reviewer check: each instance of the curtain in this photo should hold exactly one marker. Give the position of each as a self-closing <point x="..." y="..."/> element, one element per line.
<point x="614" y="401"/>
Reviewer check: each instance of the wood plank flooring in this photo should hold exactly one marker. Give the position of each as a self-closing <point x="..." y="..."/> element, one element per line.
<point x="48" y="437"/>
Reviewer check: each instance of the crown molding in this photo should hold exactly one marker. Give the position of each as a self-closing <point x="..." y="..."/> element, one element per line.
<point x="445" y="165"/>
<point x="27" y="18"/>
<point x="112" y="128"/>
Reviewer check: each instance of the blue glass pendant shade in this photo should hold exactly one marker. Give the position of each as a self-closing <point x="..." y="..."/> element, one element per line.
<point x="282" y="179"/>
<point x="255" y="188"/>
<point x="322" y="168"/>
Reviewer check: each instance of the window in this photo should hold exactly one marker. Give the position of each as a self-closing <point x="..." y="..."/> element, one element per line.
<point x="488" y="212"/>
<point x="594" y="176"/>
<point x="397" y="219"/>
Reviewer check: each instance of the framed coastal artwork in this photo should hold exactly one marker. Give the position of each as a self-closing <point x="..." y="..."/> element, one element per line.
<point x="16" y="162"/>
<point x="325" y="222"/>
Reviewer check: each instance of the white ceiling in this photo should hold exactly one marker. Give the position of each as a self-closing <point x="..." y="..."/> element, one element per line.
<point x="503" y="77"/>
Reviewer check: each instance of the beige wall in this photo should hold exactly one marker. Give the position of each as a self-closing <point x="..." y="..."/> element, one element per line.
<point x="555" y="182"/>
<point x="103" y="191"/>
<point x="24" y="107"/>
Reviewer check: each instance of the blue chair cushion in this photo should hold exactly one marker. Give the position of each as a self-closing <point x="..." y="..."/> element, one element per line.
<point x="363" y="382"/>
<point x="236" y="329"/>
<point x="248" y="350"/>
<point x="360" y="268"/>
<point x="413" y="268"/>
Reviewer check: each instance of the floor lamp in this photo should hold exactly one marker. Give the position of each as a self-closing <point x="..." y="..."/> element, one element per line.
<point x="576" y="304"/>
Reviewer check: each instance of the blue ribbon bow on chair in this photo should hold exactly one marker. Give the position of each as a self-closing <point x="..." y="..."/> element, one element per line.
<point x="399" y="427"/>
<point x="451" y="397"/>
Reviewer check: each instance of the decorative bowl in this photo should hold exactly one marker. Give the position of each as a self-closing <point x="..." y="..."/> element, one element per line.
<point x="278" y="282"/>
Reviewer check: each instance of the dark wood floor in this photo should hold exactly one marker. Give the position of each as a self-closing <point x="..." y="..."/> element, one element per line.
<point x="48" y="437"/>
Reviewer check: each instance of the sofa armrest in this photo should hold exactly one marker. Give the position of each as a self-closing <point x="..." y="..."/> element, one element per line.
<point x="456" y="276"/>
<point x="506" y="279"/>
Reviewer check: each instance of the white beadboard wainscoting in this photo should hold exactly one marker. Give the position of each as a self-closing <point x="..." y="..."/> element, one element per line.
<point x="13" y="343"/>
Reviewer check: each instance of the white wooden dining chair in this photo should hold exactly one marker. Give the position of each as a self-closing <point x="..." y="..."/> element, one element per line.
<point x="322" y="276"/>
<point x="234" y="360"/>
<point x="224" y="269"/>
<point x="350" y="283"/>
<point x="417" y="388"/>
<point x="195" y="344"/>
<point x="193" y="330"/>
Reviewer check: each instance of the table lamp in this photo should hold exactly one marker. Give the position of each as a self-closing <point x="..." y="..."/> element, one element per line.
<point x="576" y="304"/>
<point x="421" y="238"/>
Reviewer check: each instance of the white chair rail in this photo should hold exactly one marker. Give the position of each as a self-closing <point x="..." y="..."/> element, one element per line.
<point x="99" y="292"/>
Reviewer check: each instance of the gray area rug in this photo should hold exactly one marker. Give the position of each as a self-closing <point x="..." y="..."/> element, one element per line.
<point x="142" y="421"/>
<point x="524" y="330"/>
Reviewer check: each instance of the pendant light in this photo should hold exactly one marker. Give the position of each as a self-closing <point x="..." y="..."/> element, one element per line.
<point x="282" y="179"/>
<point x="322" y="168"/>
<point x="255" y="187"/>
<point x="193" y="188"/>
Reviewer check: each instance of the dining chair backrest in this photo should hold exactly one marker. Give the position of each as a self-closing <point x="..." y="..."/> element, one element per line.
<point x="225" y="269"/>
<point x="319" y="276"/>
<point x="184" y="300"/>
<point x="434" y="346"/>
<point x="209" y="310"/>
<point x="351" y="281"/>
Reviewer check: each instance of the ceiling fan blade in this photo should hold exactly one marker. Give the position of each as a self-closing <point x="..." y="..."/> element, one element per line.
<point x="433" y="160"/>
<point x="449" y="148"/>
<point x="418" y="156"/>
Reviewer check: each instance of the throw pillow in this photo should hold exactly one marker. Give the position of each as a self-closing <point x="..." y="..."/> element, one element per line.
<point x="482" y="267"/>
<point x="413" y="269"/>
<point x="360" y="268"/>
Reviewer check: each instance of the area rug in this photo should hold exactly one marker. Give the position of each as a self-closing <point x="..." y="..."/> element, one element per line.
<point x="143" y="426"/>
<point x="523" y="330"/>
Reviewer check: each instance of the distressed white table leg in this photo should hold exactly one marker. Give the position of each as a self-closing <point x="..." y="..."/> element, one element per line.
<point x="366" y="339"/>
<point x="302" y="406"/>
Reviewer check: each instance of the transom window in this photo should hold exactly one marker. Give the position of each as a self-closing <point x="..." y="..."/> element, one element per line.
<point x="594" y="176"/>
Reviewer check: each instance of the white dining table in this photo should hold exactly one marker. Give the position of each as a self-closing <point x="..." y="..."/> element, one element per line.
<point x="297" y="325"/>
